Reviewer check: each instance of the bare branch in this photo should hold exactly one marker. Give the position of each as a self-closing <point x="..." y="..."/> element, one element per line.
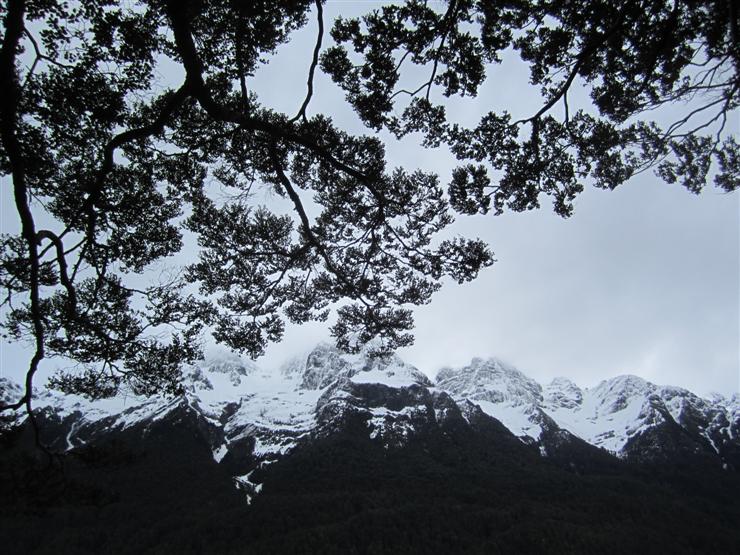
<point x="40" y="55"/>
<point x="320" y="16"/>
<point x="560" y="94"/>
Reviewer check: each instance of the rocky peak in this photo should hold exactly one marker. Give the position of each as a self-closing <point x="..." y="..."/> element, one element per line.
<point x="326" y="364"/>
<point x="733" y="404"/>
<point x="234" y="368"/>
<point x="223" y="374"/>
<point x="615" y="394"/>
<point x="490" y="380"/>
<point x="562" y="392"/>
<point x="323" y="366"/>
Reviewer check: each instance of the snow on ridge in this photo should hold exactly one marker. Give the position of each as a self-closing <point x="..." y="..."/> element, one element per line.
<point x="390" y="371"/>
<point x="622" y="386"/>
<point x="10" y="391"/>
<point x="385" y="377"/>
<point x="607" y="415"/>
<point x="393" y="426"/>
<point x="606" y="423"/>
<point x="277" y="408"/>
<point x="246" y="484"/>
<point x="324" y="365"/>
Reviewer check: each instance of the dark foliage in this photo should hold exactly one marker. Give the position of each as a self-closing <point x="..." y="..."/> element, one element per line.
<point x="448" y="491"/>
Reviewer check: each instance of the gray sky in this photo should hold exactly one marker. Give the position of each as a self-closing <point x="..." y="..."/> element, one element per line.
<point x="642" y="280"/>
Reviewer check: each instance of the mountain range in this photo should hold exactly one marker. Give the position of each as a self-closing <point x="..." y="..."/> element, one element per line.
<point x="243" y="439"/>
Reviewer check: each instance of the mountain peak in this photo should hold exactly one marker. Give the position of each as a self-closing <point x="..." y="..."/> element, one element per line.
<point x="324" y="364"/>
<point x="616" y="393"/>
<point x="10" y="391"/>
<point x="490" y="380"/>
<point x="562" y="392"/>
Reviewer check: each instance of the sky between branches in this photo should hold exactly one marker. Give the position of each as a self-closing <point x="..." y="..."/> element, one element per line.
<point x="642" y="280"/>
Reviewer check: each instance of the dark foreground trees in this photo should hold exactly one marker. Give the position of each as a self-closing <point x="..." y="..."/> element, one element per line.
<point x="113" y="171"/>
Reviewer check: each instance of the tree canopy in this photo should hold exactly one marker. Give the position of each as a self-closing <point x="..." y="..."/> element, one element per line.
<point x="112" y="170"/>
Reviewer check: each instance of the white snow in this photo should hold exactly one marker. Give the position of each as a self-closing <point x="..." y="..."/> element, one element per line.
<point x="220" y="453"/>
<point x="490" y="380"/>
<point x="519" y="419"/>
<point x="500" y="391"/>
<point x="245" y="483"/>
<point x="266" y="405"/>
<point x="607" y="416"/>
<point x="71" y="433"/>
<point x="611" y="413"/>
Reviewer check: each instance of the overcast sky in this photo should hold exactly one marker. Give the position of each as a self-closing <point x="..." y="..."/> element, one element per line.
<point x="642" y="280"/>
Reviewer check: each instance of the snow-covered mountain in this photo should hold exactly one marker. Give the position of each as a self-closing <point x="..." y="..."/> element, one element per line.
<point x="626" y="415"/>
<point x="499" y="390"/>
<point x="250" y="417"/>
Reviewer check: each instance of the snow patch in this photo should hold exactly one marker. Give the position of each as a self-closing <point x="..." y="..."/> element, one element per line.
<point x="220" y="453"/>
<point x="245" y="484"/>
<point x="521" y="420"/>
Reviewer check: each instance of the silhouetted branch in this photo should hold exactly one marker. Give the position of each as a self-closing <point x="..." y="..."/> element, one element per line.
<point x="314" y="63"/>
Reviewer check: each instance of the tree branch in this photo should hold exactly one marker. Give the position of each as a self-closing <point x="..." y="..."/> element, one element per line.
<point x="584" y="54"/>
<point x="449" y="16"/>
<point x="194" y="71"/>
<point x="560" y="94"/>
<point x="156" y="126"/>
<point x="8" y="126"/>
<point x="63" y="274"/>
<point x="306" y="227"/>
<point x="314" y="63"/>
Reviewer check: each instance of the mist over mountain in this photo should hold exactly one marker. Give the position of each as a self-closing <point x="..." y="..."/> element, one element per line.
<point x="362" y="454"/>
